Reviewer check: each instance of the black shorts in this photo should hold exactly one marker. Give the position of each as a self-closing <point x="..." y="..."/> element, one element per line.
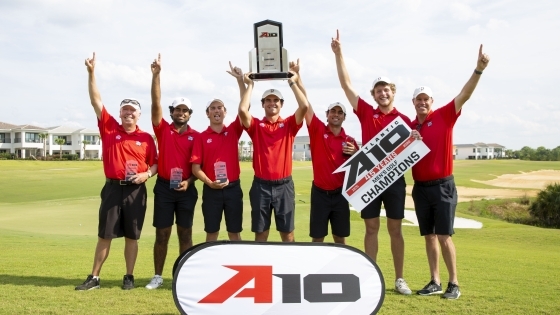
<point x="122" y="211"/>
<point x="393" y="199"/>
<point x="435" y="207"/>
<point x="328" y="206"/>
<point x="171" y="204"/>
<point x="268" y="195"/>
<point x="228" y="200"/>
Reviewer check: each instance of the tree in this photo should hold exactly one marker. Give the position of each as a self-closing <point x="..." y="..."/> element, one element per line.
<point x="541" y="154"/>
<point x="85" y="142"/>
<point x="60" y="142"/>
<point x="250" y="143"/>
<point x="43" y="137"/>
<point x="526" y="153"/>
<point x="241" y="144"/>
<point x="546" y="207"/>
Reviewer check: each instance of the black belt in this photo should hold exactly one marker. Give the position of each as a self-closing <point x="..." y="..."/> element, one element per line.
<point x="232" y="184"/>
<point x="163" y="179"/>
<point x="434" y="182"/>
<point x="119" y="182"/>
<point x="328" y="192"/>
<point x="273" y="182"/>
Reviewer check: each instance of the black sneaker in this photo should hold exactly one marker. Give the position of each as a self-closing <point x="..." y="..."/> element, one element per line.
<point x="452" y="292"/>
<point x="89" y="284"/>
<point x="128" y="282"/>
<point x="431" y="288"/>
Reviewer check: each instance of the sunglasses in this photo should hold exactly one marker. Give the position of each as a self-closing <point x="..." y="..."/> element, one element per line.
<point x="133" y="102"/>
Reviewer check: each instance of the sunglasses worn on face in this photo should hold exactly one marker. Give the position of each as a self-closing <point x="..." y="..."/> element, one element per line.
<point x="133" y="102"/>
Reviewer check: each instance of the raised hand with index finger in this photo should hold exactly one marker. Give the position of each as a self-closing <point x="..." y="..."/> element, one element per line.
<point x="90" y="63"/>
<point x="156" y="65"/>
<point x="235" y="71"/>
<point x="335" y="43"/>
<point x="482" y="61"/>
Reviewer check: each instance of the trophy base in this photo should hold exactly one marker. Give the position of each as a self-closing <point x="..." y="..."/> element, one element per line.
<point x="270" y="76"/>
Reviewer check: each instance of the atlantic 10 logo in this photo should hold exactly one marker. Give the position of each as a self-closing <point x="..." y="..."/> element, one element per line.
<point x="276" y="278"/>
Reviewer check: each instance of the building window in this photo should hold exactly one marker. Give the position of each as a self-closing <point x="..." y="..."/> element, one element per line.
<point x="32" y="138"/>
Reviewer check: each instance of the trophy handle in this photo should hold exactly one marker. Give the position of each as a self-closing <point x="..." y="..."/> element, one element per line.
<point x="270" y="76"/>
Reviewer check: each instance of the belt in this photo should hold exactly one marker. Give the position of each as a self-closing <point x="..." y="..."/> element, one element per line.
<point x="434" y="182"/>
<point x="328" y="192"/>
<point x="232" y="184"/>
<point x="118" y="182"/>
<point x="163" y="179"/>
<point x="273" y="182"/>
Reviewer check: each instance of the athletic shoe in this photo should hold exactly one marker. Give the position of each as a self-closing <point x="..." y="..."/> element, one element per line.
<point x="402" y="287"/>
<point x="157" y="281"/>
<point x="89" y="284"/>
<point x="452" y="292"/>
<point x="128" y="282"/>
<point x="431" y="288"/>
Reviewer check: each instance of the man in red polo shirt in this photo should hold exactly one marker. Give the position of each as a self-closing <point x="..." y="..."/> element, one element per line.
<point x="273" y="139"/>
<point x="129" y="159"/>
<point x="373" y="120"/>
<point x="175" y="194"/>
<point x="434" y="191"/>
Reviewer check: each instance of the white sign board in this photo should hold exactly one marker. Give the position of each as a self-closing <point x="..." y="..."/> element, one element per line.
<point x="379" y="163"/>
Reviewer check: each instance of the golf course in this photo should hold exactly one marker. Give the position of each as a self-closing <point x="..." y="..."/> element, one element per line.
<point x="48" y="233"/>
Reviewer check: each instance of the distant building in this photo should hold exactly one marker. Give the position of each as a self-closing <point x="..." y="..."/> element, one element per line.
<point x="26" y="140"/>
<point x="479" y="151"/>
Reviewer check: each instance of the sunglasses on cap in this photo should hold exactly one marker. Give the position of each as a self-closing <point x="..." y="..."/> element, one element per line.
<point x="129" y="101"/>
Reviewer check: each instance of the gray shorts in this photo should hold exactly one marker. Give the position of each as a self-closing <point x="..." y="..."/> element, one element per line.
<point x="266" y="196"/>
<point x="435" y="203"/>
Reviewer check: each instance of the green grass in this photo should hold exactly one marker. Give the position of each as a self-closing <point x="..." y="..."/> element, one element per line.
<point x="48" y="224"/>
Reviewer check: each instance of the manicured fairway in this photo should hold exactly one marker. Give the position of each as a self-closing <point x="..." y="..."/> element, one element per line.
<point x="48" y="224"/>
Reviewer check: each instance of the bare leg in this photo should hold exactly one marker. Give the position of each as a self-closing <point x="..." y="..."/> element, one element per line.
<point x="371" y="245"/>
<point x="432" y="251"/>
<point x="101" y="254"/>
<point x="397" y="246"/>
<point x="261" y="236"/>
<point x="185" y="238"/>
<point x="449" y="256"/>
<point x="160" y="249"/>
<point x="234" y="236"/>
<point x="130" y="254"/>
<point x="212" y="236"/>
<point x="339" y="239"/>
<point x="317" y="240"/>
<point x="287" y="237"/>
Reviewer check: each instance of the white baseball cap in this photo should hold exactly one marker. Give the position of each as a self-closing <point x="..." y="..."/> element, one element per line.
<point x="381" y="79"/>
<point x="422" y="90"/>
<point x="214" y="100"/>
<point x="181" y="101"/>
<point x="131" y="102"/>
<point x="272" y="92"/>
<point x="333" y="105"/>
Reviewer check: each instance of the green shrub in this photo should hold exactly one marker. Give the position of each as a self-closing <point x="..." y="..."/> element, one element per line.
<point x="7" y="156"/>
<point x="546" y="207"/>
<point x="70" y="157"/>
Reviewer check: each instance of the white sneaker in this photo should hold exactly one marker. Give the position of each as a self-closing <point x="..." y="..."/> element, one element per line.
<point x="157" y="281"/>
<point x="402" y="287"/>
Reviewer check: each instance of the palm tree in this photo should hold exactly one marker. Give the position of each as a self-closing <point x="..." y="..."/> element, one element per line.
<point x="241" y="144"/>
<point x="85" y="142"/>
<point x="250" y="143"/>
<point x="43" y="137"/>
<point x="60" y="142"/>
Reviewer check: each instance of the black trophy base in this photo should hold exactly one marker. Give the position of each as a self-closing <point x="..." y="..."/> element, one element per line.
<point x="270" y="76"/>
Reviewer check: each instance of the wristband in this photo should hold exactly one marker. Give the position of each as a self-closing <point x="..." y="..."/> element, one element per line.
<point x="477" y="72"/>
<point x="291" y="83"/>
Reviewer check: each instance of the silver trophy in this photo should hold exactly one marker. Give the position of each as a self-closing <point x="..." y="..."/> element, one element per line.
<point x="268" y="60"/>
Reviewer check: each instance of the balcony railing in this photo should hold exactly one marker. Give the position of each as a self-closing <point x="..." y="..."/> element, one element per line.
<point x="6" y="140"/>
<point x="17" y="140"/>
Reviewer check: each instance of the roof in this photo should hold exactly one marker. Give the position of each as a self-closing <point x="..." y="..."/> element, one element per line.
<point x="4" y="125"/>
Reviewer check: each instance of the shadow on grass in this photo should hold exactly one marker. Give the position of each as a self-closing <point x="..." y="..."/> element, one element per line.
<point x="39" y="281"/>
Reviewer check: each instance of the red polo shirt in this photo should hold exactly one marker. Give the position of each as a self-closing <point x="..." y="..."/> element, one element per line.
<point x="273" y="146"/>
<point x="174" y="149"/>
<point x="326" y="154"/>
<point x="437" y="134"/>
<point x="373" y="120"/>
<point x="211" y="147"/>
<point x="119" y="146"/>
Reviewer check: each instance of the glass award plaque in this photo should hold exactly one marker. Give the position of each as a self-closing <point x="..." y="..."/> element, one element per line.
<point x="220" y="171"/>
<point x="176" y="178"/>
<point x="131" y="169"/>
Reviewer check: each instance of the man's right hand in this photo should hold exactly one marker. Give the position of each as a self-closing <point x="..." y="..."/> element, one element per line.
<point x="235" y="72"/>
<point x="90" y="63"/>
<point x="335" y="44"/>
<point x="156" y="65"/>
<point x="247" y="80"/>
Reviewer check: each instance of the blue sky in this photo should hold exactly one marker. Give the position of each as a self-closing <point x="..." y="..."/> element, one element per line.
<point x="413" y="42"/>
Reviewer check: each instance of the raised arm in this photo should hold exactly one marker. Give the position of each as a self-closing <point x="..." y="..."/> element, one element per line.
<point x="94" y="95"/>
<point x="343" y="73"/>
<point x="468" y="89"/>
<point x="243" y="111"/>
<point x="238" y="75"/>
<point x="294" y="67"/>
<point x="303" y="104"/>
<point x="157" y="112"/>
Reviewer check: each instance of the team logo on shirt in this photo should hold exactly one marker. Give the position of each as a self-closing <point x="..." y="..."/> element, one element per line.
<point x="281" y="125"/>
<point x="118" y="137"/>
<point x="190" y="138"/>
<point x="325" y="136"/>
<point x="138" y="143"/>
<point x="261" y="124"/>
<point x="376" y="116"/>
<point x="429" y="123"/>
<point x="225" y="133"/>
<point x="209" y="141"/>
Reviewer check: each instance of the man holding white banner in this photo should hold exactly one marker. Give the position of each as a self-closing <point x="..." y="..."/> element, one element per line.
<point x="434" y="192"/>
<point x="373" y="120"/>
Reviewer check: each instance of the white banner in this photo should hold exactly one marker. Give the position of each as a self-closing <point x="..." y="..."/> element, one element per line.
<point x="379" y="163"/>
<point x="248" y="278"/>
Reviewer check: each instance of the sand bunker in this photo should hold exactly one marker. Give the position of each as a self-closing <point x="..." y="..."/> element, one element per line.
<point x="535" y="180"/>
